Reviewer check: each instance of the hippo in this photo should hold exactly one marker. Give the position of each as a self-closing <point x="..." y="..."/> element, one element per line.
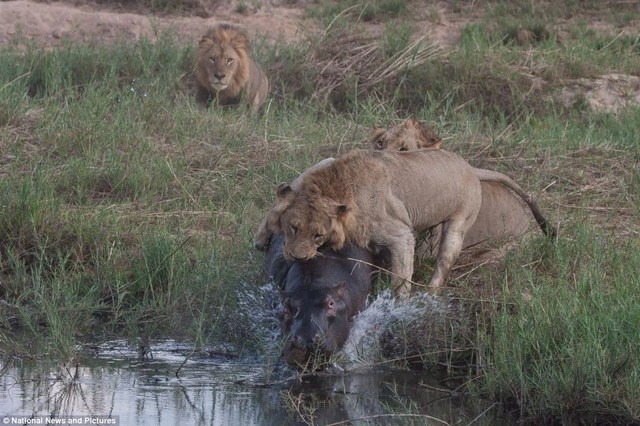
<point x="320" y="297"/>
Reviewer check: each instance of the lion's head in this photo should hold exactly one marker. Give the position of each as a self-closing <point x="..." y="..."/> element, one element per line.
<point x="308" y="221"/>
<point x="222" y="63"/>
<point x="408" y="135"/>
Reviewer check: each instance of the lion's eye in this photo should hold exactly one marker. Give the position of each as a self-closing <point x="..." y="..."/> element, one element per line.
<point x="212" y="59"/>
<point x="294" y="229"/>
<point x="318" y="237"/>
<point x="403" y="148"/>
<point x="379" y="144"/>
<point x="229" y="60"/>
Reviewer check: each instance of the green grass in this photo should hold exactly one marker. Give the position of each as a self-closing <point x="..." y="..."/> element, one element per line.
<point x="359" y="11"/>
<point x="563" y="345"/>
<point x="125" y="210"/>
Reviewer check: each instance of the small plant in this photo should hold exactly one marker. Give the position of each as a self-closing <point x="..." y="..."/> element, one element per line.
<point x="242" y="8"/>
<point x="396" y="37"/>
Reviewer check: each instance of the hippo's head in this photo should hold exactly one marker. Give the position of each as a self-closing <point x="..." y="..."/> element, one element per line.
<point x="320" y="296"/>
<point x="316" y="323"/>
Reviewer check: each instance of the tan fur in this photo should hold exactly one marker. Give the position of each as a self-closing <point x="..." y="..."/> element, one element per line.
<point x="410" y="134"/>
<point x="501" y="217"/>
<point x="226" y="72"/>
<point x="262" y="237"/>
<point x="363" y="198"/>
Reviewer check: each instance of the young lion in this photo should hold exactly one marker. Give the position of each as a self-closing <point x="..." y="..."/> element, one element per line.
<point x="226" y="72"/>
<point x="377" y="199"/>
<point x="500" y="217"/>
<point x="410" y="134"/>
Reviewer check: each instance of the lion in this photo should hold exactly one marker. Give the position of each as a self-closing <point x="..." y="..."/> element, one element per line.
<point x="225" y="71"/>
<point x="410" y="134"/>
<point x="265" y="231"/>
<point x="501" y="217"/>
<point x="379" y="200"/>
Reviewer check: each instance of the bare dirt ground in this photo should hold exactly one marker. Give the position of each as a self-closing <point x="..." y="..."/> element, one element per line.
<point x="50" y="23"/>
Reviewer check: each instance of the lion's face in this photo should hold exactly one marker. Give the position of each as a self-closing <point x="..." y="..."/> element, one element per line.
<point x="223" y="59"/>
<point x="308" y="222"/>
<point x="409" y="135"/>
<point x="221" y="64"/>
<point x="305" y="230"/>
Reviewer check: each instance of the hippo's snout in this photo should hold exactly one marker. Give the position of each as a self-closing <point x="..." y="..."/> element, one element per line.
<point x="298" y="349"/>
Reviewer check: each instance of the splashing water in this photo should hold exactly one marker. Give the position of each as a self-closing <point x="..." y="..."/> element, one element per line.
<point x="387" y="316"/>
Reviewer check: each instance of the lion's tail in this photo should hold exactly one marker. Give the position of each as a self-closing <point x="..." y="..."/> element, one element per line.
<point x="490" y="175"/>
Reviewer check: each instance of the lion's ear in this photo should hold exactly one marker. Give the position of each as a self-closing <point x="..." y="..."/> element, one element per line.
<point x="429" y="136"/>
<point x="412" y="122"/>
<point x="203" y="40"/>
<point x="283" y="190"/>
<point x="376" y="131"/>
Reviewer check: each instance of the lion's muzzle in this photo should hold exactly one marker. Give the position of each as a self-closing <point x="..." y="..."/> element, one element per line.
<point x="299" y="255"/>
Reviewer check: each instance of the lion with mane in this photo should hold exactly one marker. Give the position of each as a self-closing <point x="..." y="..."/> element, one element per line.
<point x="225" y="72"/>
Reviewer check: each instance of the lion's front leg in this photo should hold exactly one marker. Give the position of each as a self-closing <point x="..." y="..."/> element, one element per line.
<point x="203" y="97"/>
<point x="453" y="233"/>
<point x="401" y="245"/>
<point x="263" y="235"/>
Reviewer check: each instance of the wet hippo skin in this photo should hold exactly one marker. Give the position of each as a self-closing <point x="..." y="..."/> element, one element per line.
<point x="320" y="297"/>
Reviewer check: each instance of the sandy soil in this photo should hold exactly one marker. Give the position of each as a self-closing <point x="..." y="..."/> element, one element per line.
<point x="49" y="24"/>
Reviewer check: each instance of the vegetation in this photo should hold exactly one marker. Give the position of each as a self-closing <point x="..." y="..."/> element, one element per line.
<point x="126" y="210"/>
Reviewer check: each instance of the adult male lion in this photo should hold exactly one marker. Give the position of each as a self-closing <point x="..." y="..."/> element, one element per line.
<point x="225" y="72"/>
<point x="377" y="199"/>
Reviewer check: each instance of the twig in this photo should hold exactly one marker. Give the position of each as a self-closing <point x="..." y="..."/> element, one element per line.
<point x="14" y="80"/>
<point x="481" y="414"/>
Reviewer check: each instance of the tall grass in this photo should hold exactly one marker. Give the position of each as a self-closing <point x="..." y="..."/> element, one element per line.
<point x="563" y="345"/>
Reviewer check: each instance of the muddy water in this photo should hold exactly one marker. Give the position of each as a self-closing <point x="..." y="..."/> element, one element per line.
<point x="175" y="386"/>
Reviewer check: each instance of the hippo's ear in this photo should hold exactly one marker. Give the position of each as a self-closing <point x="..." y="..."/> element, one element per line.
<point x="335" y="299"/>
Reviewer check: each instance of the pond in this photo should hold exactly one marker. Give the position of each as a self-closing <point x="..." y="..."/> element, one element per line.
<point x="175" y="386"/>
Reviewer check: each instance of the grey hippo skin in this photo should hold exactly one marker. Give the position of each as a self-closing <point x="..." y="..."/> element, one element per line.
<point x="320" y="297"/>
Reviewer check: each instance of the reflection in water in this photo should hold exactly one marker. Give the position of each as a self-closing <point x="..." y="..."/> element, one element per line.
<point x="222" y="391"/>
<point x="210" y="391"/>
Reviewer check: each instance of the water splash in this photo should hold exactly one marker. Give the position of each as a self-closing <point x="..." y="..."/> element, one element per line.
<point x="386" y="318"/>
